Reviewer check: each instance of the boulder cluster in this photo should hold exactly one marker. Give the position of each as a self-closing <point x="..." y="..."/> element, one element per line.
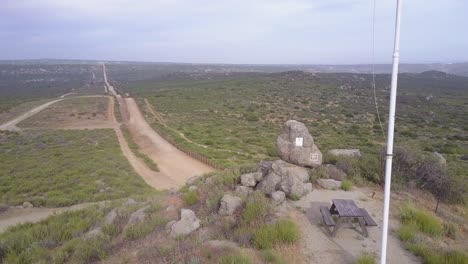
<point x="279" y="179"/>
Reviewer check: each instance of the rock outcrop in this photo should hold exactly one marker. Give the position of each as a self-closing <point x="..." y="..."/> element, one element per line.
<point x="138" y="216"/>
<point x="291" y="179"/>
<point x="187" y="224"/>
<point x="296" y="145"/>
<point x="277" y="197"/>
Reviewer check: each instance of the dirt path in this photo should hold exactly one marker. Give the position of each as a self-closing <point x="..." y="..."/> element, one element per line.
<point x="16" y="216"/>
<point x="172" y="162"/>
<point x="11" y="125"/>
<point x="348" y="243"/>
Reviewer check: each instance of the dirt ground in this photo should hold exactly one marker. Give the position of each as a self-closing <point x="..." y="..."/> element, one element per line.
<point x="84" y="112"/>
<point x="348" y="243"/>
<point x="172" y="162"/>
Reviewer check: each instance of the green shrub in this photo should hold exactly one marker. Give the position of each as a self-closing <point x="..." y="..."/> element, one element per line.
<point x="346" y="185"/>
<point x="283" y="231"/>
<point x="251" y="116"/>
<point x="191" y="197"/>
<point x="434" y="256"/>
<point x="422" y="219"/>
<point x="256" y="209"/>
<point x="234" y="259"/>
<point x="365" y="259"/>
<point x="407" y="232"/>
<point x="90" y="250"/>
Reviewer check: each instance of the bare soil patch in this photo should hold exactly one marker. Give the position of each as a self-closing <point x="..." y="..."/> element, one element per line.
<point x="73" y="113"/>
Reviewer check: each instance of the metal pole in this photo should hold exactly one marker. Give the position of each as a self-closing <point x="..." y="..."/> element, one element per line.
<point x="390" y="132"/>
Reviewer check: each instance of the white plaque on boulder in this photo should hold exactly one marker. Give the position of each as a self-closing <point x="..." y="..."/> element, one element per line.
<point x="299" y="142"/>
<point x="314" y="157"/>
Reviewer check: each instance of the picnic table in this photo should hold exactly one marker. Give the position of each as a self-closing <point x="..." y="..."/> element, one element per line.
<point x="345" y="209"/>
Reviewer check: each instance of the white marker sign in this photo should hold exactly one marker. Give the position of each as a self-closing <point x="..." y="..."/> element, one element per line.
<point x="314" y="157"/>
<point x="299" y="142"/>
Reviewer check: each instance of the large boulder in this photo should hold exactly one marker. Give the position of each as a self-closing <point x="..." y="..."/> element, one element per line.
<point x="292" y="186"/>
<point x="187" y="224"/>
<point x="269" y="183"/>
<point x="242" y="190"/>
<point x="345" y="152"/>
<point x="229" y="204"/>
<point x="296" y="145"/>
<point x="329" y="184"/>
<point x="287" y="169"/>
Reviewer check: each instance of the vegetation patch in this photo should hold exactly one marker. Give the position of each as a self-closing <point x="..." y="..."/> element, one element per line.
<point x="280" y="232"/>
<point x="61" y="168"/>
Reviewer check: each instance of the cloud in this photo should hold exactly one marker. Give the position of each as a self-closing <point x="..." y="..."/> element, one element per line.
<point x="242" y="31"/>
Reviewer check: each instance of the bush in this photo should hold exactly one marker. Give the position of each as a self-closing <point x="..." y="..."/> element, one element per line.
<point x="256" y="210"/>
<point x="283" y="231"/>
<point x="423" y="220"/>
<point x="191" y="197"/>
<point x="346" y="185"/>
<point x="407" y="232"/>
<point x="235" y="259"/>
<point x="251" y="116"/>
<point x="365" y="259"/>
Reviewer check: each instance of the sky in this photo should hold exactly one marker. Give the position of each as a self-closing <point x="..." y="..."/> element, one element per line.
<point x="237" y="31"/>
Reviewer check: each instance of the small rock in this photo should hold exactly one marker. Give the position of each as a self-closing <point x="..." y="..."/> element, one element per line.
<point x="333" y="172"/>
<point x="130" y="201"/>
<point x="187" y="224"/>
<point x="192" y="188"/>
<point x="241" y="190"/>
<point x="28" y="205"/>
<point x="110" y="217"/>
<point x="93" y="233"/>
<point x="248" y="180"/>
<point x="192" y="180"/>
<point x="228" y="205"/>
<point x="211" y="180"/>
<point x="329" y="184"/>
<point x="277" y="197"/>
<point x="170" y="208"/>
<point x="442" y="161"/>
<point x="139" y="215"/>
<point x="264" y="167"/>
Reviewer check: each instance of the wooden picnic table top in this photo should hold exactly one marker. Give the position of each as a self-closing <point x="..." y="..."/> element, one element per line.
<point x="346" y="208"/>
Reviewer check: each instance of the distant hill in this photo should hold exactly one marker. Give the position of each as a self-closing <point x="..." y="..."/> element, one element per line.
<point x="451" y="68"/>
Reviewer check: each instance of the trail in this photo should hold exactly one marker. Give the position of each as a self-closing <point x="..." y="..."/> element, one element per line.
<point x="11" y="125"/>
<point x="16" y="216"/>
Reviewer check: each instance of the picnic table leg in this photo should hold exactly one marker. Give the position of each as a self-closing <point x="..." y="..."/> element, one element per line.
<point x="362" y="223"/>
<point x="337" y="225"/>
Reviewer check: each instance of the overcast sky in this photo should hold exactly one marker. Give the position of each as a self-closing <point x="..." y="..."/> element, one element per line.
<point x="238" y="31"/>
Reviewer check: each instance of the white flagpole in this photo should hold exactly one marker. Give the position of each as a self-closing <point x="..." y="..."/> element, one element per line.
<point x="391" y="126"/>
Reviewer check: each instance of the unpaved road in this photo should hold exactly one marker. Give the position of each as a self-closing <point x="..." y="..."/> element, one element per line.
<point x="152" y="178"/>
<point x="172" y="162"/>
<point x="16" y="216"/>
<point x="348" y="243"/>
<point x="11" y="125"/>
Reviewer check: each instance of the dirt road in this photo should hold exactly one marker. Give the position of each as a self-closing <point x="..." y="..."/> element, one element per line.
<point x="16" y="216"/>
<point x="11" y="125"/>
<point x="172" y="162"/>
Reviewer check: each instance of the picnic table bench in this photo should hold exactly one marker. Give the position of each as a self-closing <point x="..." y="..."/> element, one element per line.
<point x="345" y="209"/>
